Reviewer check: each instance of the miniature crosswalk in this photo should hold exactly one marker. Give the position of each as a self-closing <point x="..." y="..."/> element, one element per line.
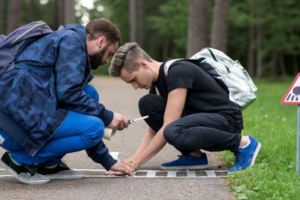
<point x="151" y="173"/>
<point x="180" y="174"/>
<point x="99" y="173"/>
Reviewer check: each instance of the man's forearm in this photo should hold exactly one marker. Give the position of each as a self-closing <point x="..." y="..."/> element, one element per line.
<point x="156" y="144"/>
<point x="145" y="141"/>
<point x="173" y="111"/>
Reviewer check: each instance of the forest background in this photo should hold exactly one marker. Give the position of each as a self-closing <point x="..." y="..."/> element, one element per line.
<point x="263" y="35"/>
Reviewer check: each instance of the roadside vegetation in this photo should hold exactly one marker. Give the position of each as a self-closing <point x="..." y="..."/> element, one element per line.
<point x="274" y="174"/>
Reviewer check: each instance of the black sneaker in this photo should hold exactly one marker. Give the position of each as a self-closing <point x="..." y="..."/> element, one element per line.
<point x="60" y="171"/>
<point x="24" y="174"/>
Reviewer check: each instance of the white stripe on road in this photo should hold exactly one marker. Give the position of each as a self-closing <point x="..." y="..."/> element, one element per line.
<point x="210" y="173"/>
<point x="171" y="174"/>
<point x="191" y="174"/>
<point x="89" y="170"/>
<point x="151" y="173"/>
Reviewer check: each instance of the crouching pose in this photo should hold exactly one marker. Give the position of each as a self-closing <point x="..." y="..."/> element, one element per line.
<point x="47" y="107"/>
<point x="187" y="108"/>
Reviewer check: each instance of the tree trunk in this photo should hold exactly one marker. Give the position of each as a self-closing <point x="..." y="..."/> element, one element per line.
<point x="166" y="47"/>
<point x="59" y="12"/>
<point x="14" y="16"/>
<point x="31" y="10"/>
<point x="135" y="21"/>
<point x="69" y="10"/>
<point x="3" y="16"/>
<point x="259" y="57"/>
<point x="252" y="53"/>
<point x="197" y="26"/>
<point x="282" y="69"/>
<point x="252" y="50"/>
<point x="219" y="27"/>
<point x="64" y="12"/>
<point x="295" y="65"/>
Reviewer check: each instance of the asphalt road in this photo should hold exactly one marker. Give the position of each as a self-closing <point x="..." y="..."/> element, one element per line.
<point x="122" y="98"/>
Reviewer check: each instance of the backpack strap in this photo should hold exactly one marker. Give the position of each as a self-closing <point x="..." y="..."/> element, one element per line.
<point x="216" y="60"/>
<point x="169" y="63"/>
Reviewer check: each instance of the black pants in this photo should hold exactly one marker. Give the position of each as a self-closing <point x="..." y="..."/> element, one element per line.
<point x="207" y="131"/>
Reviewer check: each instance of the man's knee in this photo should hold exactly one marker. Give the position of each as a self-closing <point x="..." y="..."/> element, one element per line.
<point x="144" y="103"/>
<point x="94" y="131"/>
<point x="171" y="133"/>
<point x="175" y="135"/>
<point x="151" y="104"/>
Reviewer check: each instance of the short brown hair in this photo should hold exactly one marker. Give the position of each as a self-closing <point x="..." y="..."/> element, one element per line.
<point x="102" y="26"/>
<point x="127" y="56"/>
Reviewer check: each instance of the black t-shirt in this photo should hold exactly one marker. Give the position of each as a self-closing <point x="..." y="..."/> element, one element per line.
<point x="204" y="94"/>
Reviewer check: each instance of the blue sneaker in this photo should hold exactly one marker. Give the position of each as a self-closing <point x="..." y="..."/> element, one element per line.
<point x="246" y="157"/>
<point x="187" y="162"/>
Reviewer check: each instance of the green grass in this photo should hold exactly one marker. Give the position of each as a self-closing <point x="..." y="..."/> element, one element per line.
<point x="274" y="174"/>
<point x="102" y="70"/>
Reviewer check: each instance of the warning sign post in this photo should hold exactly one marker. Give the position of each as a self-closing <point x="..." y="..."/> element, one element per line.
<point x="292" y="97"/>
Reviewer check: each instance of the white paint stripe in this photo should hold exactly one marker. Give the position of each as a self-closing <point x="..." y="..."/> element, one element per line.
<point x="191" y="173"/>
<point x="1" y="169"/>
<point x="171" y="174"/>
<point x="210" y="173"/>
<point x="3" y="176"/>
<point x="102" y="176"/>
<point x="89" y="170"/>
<point x="151" y="173"/>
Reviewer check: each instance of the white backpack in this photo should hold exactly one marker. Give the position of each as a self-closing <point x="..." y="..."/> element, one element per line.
<point x="240" y="86"/>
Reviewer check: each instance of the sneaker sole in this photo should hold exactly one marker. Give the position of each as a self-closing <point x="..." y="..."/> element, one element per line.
<point x="21" y="179"/>
<point x="186" y="167"/>
<point x="255" y="153"/>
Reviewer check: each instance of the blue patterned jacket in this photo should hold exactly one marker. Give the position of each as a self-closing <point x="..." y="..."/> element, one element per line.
<point x="47" y="81"/>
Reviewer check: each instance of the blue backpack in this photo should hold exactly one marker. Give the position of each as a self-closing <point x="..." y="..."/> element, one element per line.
<point x="13" y="43"/>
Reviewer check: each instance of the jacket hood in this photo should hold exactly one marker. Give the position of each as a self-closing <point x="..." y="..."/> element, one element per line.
<point x="77" y="28"/>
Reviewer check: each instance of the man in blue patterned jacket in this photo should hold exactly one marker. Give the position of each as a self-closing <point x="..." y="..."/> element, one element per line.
<point x="48" y="95"/>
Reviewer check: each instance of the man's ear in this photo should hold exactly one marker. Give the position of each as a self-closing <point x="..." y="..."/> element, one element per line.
<point x="143" y="63"/>
<point x="101" y="41"/>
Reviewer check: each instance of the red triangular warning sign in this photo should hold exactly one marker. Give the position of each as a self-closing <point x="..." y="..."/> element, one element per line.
<point x="292" y="96"/>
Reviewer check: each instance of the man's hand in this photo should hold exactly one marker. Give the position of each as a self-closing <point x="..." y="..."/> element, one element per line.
<point x="119" y="122"/>
<point x="132" y="166"/>
<point x="120" y="169"/>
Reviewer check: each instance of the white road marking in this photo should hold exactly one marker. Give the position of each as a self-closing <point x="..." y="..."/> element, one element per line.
<point x="210" y="173"/>
<point x="191" y="174"/>
<point x="171" y="174"/>
<point x="151" y="173"/>
<point x="89" y="170"/>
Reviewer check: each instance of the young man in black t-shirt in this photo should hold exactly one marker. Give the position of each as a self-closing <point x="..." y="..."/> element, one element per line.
<point x="187" y="108"/>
